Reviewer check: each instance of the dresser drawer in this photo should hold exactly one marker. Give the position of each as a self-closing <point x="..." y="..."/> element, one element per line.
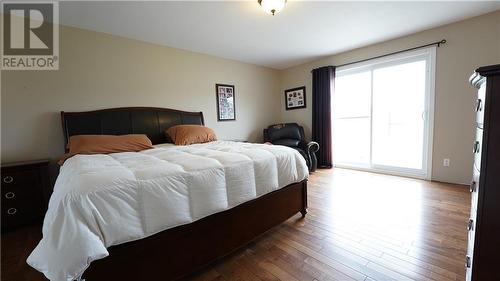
<point x="470" y="244"/>
<point x="477" y="149"/>
<point x="471" y="228"/>
<point x="474" y="188"/>
<point x="481" y="96"/>
<point x="16" y="213"/>
<point x="468" y="272"/>
<point x="19" y="178"/>
<point x="16" y="193"/>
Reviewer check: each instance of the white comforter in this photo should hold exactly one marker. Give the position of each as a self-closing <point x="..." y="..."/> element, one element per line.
<point x="104" y="200"/>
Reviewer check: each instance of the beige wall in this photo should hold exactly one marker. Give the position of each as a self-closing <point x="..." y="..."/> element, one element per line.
<point x="471" y="43"/>
<point x="101" y="71"/>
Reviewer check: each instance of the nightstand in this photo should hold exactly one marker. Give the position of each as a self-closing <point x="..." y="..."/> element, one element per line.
<point x="24" y="192"/>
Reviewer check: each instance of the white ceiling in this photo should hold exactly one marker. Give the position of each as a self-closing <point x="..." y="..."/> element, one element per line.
<point x="303" y="31"/>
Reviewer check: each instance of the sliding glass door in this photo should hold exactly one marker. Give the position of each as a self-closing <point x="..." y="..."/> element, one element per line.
<point x="382" y="114"/>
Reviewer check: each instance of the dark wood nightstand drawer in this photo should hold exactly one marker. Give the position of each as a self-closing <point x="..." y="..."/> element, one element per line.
<point x="23" y="191"/>
<point x="20" y="193"/>
<point x="19" y="178"/>
<point x="16" y="213"/>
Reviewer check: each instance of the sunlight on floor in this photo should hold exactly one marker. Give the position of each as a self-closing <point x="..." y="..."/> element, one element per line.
<point x="385" y="205"/>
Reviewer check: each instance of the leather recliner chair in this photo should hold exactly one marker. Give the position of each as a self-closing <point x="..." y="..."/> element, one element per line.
<point x="292" y="135"/>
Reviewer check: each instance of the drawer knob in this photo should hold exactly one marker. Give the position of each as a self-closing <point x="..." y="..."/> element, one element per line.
<point x="479" y="105"/>
<point x="11" y="211"/>
<point x="476" y="147"/>
<point x="8" y="179"/>
<point x="470" y="224"/>
<point x="10" y="195"/>
<point x="472" y="186"/>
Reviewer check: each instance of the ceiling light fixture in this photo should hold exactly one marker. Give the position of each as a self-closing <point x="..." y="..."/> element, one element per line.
<point x="272" y="7"/>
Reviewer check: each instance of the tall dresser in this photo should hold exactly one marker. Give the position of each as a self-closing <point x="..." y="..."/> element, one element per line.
<point x="483" y="251"/>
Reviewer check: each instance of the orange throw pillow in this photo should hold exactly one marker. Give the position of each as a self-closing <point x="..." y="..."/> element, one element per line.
<point x="103" y="144"/>
<point x="189" y="134"/>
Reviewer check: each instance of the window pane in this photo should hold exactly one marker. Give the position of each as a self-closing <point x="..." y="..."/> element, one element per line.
<point x="351" y="141"/>
<point x="352" y="95"/>
<point x="398" y="115"/>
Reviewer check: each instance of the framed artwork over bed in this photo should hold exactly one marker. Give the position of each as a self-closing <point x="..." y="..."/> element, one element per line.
<point x="225" y="102"/>
<point x="295" y="98"/>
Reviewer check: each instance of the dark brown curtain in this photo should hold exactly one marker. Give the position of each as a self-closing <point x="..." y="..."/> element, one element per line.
<point x="322" y="89"/>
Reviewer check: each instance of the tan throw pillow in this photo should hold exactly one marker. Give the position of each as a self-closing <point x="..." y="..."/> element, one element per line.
<point x="189" y="134"/>
<point x="103" y="144"/>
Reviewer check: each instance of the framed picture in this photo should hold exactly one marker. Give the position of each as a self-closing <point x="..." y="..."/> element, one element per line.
<point x="225" y="102"/>
<point x="295" y="98"/>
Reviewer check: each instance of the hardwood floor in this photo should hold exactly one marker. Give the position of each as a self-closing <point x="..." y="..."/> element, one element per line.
<point x="360" y="226"/>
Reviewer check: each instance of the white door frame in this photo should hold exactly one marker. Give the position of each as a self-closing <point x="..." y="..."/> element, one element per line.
<point x="429" y="54"/>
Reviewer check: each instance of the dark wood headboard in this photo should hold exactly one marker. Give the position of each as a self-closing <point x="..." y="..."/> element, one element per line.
<point x="151" y="121"/>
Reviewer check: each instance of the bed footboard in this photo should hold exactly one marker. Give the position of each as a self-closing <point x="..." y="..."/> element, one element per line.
<point x="177" y="252"/>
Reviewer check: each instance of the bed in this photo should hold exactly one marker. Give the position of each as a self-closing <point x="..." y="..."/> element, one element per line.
<point x="164" y="212"/>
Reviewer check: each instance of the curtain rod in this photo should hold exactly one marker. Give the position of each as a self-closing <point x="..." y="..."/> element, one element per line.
<point x="437" y="43"/>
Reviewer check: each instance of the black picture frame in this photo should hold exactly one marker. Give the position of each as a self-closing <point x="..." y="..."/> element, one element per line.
<point x="225" y="98"/>
<point x="295" y="98"/>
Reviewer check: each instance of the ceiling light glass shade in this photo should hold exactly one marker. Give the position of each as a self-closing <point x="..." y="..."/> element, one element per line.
<point x="272" y="7"/>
